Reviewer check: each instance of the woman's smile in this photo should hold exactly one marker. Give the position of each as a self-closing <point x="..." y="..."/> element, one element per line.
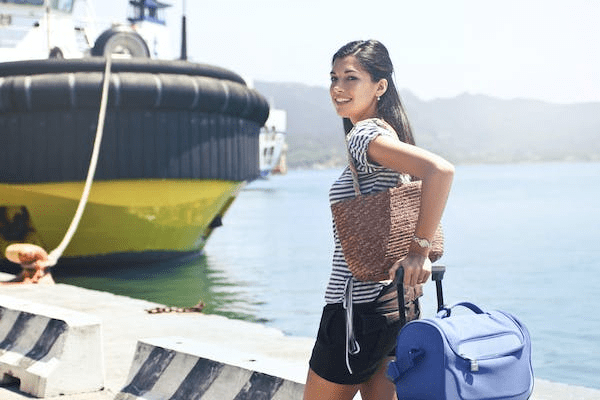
<point x="342" y="100"/>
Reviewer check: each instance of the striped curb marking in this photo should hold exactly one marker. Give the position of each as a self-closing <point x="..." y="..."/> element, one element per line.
<point x="49" y="351"/>
<point x="159" y="372"/>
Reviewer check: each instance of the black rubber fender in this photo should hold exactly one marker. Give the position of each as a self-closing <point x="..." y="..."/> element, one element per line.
<point x="123" y="37"/>
<point x="132" y="91"/>
<point x="97" y="64"/>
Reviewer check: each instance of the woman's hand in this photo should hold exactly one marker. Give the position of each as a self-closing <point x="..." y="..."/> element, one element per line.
<point x="417" y="269"/>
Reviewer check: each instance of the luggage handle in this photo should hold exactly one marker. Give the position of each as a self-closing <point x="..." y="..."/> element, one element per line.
<point x="437" y="274"/>
<point x="446" y="311"/>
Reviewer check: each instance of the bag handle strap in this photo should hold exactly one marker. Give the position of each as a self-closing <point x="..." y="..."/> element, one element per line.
<point x="380" y="122"/>
<point x="404" y="363"/>
<point x="352" y="167"/>
<point x="446" y="311"/>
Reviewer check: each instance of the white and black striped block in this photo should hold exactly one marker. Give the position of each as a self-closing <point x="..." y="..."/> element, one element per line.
<point x="182" y="369"/>
<point x="49" y="351"/>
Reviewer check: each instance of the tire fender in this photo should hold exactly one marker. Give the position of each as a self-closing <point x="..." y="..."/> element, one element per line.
<point x="121" y="40"/>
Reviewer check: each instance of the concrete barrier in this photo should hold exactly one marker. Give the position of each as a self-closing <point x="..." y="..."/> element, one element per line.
<point x="181" y="369"/>
<point x="49" y="351"/>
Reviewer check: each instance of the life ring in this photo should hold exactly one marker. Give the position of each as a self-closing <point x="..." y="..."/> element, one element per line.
<point x="121" y="41"/>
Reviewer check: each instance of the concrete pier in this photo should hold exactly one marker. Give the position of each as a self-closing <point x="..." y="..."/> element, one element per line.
<point x="125" y="322"/>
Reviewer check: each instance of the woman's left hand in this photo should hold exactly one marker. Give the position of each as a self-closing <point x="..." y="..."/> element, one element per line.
<point x="417" y="269"/>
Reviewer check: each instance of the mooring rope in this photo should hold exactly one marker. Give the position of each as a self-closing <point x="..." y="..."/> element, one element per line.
<point x="55" y="254"/>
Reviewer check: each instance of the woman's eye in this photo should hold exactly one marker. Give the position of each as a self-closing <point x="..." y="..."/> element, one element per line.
<point x="333" y="79"/>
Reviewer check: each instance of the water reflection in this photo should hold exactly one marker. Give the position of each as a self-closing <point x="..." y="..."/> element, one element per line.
<point x="178" y="283"/>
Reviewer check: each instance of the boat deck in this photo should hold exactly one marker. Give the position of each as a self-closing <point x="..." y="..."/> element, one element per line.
<point x="125" y="321"/>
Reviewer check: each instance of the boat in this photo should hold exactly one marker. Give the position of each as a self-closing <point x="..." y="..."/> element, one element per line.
<point x="180" y="141"/>
<point x="39" y="29"/>
<point x="272" y="144"/>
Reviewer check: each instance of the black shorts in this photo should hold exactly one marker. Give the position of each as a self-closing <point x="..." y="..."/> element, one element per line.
<point x="376" y="327"/>
<point x="375" y="335"/>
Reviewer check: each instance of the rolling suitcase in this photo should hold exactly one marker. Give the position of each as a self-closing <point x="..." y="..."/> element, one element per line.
<point x="474" y="356"/>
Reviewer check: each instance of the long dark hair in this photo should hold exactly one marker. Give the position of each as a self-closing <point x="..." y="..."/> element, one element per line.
<point x="375" y="59"/>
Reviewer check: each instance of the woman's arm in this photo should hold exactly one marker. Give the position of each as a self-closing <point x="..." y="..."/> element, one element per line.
<point x="436" y="175"/>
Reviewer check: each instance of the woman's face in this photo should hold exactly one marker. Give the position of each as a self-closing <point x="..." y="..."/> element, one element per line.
<point x="352" y="90"/>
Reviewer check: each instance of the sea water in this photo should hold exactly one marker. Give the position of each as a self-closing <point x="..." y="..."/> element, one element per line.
<point x="523" y="238"/>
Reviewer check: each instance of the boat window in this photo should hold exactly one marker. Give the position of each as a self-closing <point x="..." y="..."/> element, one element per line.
<point x="25" y="2"/>
<point x="62" y="5"/>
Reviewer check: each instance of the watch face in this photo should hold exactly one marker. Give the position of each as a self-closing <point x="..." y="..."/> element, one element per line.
<point x="422" y="242"/>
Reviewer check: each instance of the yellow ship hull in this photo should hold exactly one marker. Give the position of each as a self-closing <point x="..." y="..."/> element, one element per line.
<point x="179" y="140"/>
<point x="125" y="216"/>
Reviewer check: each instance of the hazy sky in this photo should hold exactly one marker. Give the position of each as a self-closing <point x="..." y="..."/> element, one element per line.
<point x="540" y="49"/>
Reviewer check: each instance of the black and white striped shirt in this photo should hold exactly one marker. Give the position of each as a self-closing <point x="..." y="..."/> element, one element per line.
<point x="372" y="178"/>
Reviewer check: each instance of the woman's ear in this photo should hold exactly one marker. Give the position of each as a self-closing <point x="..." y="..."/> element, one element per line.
<point x="382" y="86"/>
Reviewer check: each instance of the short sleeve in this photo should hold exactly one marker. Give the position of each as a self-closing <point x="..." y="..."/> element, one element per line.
<point x="359" y="139"/>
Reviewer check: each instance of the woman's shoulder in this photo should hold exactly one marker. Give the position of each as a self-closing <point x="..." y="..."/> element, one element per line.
<point x="372" y="127"/>
<point x="376" y="121"/>
<point x="359" y="139"/>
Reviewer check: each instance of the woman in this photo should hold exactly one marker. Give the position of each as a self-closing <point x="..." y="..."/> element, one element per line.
<point x="360" y="321"/>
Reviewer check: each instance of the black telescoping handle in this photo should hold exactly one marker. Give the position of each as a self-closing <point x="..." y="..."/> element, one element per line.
<point x="437" y="274"/>
<point x="399" y="282"/>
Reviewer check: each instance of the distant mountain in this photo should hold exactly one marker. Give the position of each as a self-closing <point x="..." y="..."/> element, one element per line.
<point x="464" y="129"/>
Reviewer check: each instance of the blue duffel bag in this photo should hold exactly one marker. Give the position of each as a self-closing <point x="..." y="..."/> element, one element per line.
<point x="474" y="356"/>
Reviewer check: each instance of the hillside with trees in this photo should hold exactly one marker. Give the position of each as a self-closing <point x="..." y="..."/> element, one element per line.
<point x="464" y="129"/>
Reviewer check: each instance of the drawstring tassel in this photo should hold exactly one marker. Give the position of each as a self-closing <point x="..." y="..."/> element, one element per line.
<point x="352" y="346"/>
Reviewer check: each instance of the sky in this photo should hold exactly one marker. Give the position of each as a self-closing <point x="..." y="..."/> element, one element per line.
<point x="537" y="49"/>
